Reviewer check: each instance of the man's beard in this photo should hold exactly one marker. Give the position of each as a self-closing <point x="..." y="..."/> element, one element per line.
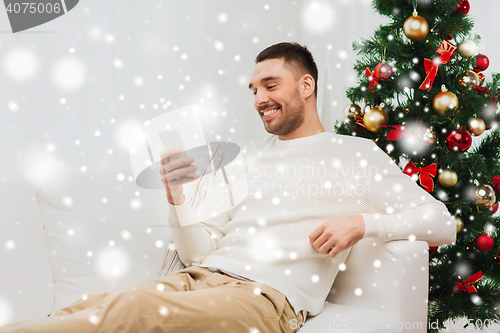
<point x="290" y="120"/>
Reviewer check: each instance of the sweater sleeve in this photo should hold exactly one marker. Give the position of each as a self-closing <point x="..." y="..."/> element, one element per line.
<point x="194" y="232"/>
<point x="197" y="232"/>
<point x="401" y="209"/>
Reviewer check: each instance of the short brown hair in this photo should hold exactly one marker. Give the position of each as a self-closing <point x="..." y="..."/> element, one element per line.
<point x="296" y="56"/>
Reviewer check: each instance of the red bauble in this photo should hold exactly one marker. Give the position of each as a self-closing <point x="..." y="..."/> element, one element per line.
<point x="482" y="62"/>
<point x="484" y="242"/>
<point x="494" y="208"/>
<point x="462" y="8"/>
<point x="383" y="72"/>
<point x="432" y="250"/>
<point x="459" y="139"/>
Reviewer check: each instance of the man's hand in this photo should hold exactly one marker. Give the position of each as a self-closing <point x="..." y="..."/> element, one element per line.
<point x="334" y="236"/>
<point x="173" y="175"/>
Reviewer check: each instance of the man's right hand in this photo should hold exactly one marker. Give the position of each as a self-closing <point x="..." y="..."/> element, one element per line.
<point x="173" y="175"/>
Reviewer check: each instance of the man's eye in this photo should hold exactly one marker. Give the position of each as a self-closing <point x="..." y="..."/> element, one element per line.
<point x="268" y="87"/>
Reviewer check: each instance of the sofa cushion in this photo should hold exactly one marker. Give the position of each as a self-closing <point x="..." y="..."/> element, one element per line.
<point x="26" y="285"/>
<point x="101" y="235"/>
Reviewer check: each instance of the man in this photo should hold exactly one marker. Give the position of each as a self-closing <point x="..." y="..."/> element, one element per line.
<point x="271" y="259"/>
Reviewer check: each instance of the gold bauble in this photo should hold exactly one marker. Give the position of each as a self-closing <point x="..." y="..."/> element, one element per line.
<point x="467" y="48"/>
<point x="485" y="195"/>
<point x="448" y="178"/>
<point x="468" y="81"/>
<point x="460" y="223"/>
<point x="373" y="118"/>
<point x="476" y="126"/>
<point x="444" y="100"/>
<point x="416" y="27"/>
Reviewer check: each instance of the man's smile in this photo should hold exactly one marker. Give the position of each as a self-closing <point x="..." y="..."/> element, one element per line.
<point x="267" y="114"/>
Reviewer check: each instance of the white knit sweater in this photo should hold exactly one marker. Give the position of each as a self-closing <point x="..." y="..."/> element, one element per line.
<point x="293" y="187"/>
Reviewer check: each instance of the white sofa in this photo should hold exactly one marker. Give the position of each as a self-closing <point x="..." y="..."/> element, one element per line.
<point x="84" y="234"/>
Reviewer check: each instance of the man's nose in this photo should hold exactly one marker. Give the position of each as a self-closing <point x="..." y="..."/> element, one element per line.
<point x="261" y="98"/>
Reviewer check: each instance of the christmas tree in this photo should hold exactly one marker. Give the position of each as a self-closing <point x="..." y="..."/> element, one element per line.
<point x="421" y="97"/>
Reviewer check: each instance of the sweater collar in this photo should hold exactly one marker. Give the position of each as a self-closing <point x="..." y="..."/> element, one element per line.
<point x="299" y="141"/>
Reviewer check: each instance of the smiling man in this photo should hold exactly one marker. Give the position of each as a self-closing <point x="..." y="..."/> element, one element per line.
<point x="311" y="196"/>
<point x="269" y="261"/>
<point x="277" y="88"/>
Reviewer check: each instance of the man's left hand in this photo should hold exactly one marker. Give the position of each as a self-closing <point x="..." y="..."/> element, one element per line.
<point x="334" y="236"/>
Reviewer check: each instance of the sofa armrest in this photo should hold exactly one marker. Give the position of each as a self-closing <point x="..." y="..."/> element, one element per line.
<point x="388" y="277"/>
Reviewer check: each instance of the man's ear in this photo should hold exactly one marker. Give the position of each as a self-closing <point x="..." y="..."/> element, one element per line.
<point x="307" y="86"/>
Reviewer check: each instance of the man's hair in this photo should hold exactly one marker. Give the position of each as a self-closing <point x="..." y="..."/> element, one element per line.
<point x="297" y="58"/>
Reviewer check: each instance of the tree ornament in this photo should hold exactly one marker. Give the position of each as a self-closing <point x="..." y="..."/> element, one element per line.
<point x="423" y="136"/>
<point x="497" y="256"/>
<point x="358" y="117"/>
<point x="481" y="77"/>
<point x="459" y="222"/>
<point x="463" y="8"/>
<point x="448" y="178"/>
<point x="350" y="110"/>
<point x="446" y="48"/>
<point x="476" y="126"/>
<point x="416" y="27"/>
<point x="444" y="100"/>
<point x="484" y="242"/>
<point x="383" y="71"/>
<point x="459" y="139"/>
<point x="482" y="63"/>
<point x="374" y="118"/>
<point x="467" y="48"/>
<point x="468" y="80"/>
<point x="466" y="285"/>
<point x="446" y="51"/>
<point x="496" y="182"/>
<point x="494" y="208"/>
<point x="425" y="174"/>
<point x="432" y="250"/>
<point x="485" y="195"/>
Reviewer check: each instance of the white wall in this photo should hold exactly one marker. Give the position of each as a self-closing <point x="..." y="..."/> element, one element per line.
<point x="38" y="132"/>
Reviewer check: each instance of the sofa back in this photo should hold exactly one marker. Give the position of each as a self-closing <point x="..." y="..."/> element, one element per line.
<point x="104" y="234"/>
<point x="26" y="285"/>
<point x="76" y="236"/>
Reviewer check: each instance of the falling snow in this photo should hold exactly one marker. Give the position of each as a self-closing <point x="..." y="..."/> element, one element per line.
<point x="21" y="64"/>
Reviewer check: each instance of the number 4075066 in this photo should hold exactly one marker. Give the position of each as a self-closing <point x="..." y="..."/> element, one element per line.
<point x="33" y="7"/>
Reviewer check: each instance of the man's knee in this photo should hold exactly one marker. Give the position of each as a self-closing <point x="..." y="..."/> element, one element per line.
<point x="133" y="295"/>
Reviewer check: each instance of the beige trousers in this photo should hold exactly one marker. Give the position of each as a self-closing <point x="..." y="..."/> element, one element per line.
<point x="194" y="299"/>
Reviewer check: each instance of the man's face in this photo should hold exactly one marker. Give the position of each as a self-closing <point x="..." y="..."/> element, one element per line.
<point x="277" y="98"/>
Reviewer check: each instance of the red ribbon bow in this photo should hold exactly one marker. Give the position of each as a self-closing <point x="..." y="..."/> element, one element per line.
<point x="467" y="283"/>
<point x="425" y="174"/>
<point x="398" y="132"/>
<point x="485" y="92"/>
<point x="446" y="50"/>
<point x="373" y="79"/>
<point x="496" y="182"/>
<point x="431" y="69"/>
